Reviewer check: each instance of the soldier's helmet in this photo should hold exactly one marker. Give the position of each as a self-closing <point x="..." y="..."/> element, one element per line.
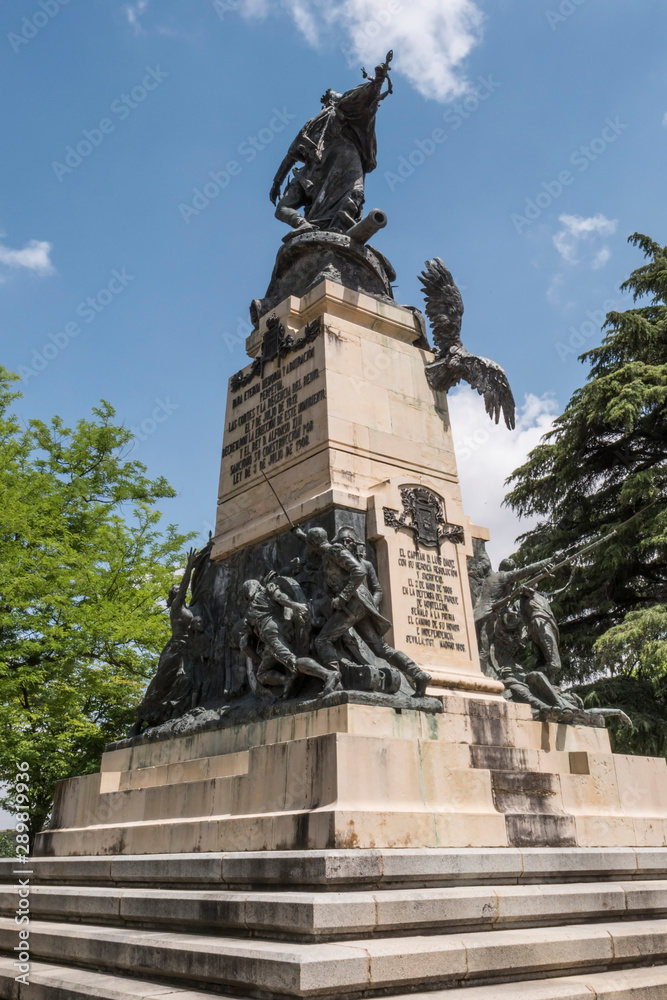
<point x="249" y="589"/>
<point x="350" y="539"/>
<point x="317" y="537"/>
<point x="347" y="535"/>
<point x="507" y="565"/>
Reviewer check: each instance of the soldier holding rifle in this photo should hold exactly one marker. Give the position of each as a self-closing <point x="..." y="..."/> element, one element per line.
<point x="509" y="611"/>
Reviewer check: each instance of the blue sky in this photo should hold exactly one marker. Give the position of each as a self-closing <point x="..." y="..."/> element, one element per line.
<point x="169" y="92"/>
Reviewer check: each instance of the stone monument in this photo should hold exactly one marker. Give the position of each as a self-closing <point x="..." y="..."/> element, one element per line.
<point x="343" y="781"/>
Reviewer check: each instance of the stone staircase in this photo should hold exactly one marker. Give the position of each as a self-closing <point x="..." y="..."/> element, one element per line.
<point x="464" y="924"/>
<point x="353" y="851"/>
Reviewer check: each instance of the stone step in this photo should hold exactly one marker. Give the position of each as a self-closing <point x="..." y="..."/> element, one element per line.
<point x="53" y="982"/>
<point x="222" y="766"/>
<point x="458" y="755"/>
<point x="367" y="965"/>
<point x="338" y="916"/>
<point x="350" y="869"/>
<point x="472" y="720"/>
<point x="333" y="828"/>
<point x="622" y="984"/>
<point x="57" y="982"/>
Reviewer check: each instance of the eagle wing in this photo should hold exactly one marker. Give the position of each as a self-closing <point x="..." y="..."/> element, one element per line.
<point x="444" y="308"/>
<point x="444" y="305"/>
<point x="480" y="373"/>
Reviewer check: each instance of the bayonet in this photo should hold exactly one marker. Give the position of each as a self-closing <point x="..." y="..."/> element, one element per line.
<point x="565" y="558"/>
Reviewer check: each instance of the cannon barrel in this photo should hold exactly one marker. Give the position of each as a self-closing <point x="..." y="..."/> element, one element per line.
<point x="369" y="226"/>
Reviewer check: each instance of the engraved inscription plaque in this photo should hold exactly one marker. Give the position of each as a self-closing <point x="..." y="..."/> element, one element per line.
<point x="273" y="413"/>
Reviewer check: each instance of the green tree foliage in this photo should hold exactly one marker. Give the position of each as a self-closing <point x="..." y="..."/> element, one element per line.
<point x="603" y="462"/>
<point x="83" y="572"/>
<point x="644" y="700"/>
<point x="7" y="845"/>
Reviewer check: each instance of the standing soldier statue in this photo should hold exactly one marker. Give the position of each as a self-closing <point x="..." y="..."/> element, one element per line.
<point x="354" y="607"/>
<point x="535" y="608"/>
<point x="337" y="148"/>
<point x="509" y="611"/>
<point x="493" y="598"/>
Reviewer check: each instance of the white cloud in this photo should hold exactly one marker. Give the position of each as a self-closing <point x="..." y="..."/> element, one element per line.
<point x="431" y="38"/>
<point x="35" y="256"/>
<point x="579" y="233"/>
<point x="601" y="258"/>
<point x="664" y="120"/>
<point x="580" y="227"/>
<point x="554" y="289"/>
<point x="305" y="21"/>
<point x="487" y="454"/>
<point x="133" y="11"/>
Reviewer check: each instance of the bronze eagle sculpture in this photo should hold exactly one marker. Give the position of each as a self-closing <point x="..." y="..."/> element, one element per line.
<point x="444" y="308"/>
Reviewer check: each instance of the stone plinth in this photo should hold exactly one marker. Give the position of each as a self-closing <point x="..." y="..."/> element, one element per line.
<point x="330" y="421"/>
<point x="482" y="774"/>
<point x="343" y="420"/>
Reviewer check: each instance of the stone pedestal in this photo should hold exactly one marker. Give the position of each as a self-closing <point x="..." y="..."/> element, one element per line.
<point x="481" y="774"/>
<point x="337" y="412"/>
<point x="354" y="851"/>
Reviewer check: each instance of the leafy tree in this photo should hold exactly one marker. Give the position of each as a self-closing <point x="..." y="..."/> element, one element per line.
<point x="603" y="463"/>
<point x="7" y="845"/>
<point x="83" y="572"/>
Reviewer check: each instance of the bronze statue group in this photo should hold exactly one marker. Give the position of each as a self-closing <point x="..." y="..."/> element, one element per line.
<point x="320" y="617"/>
<point x="511" y="614"/>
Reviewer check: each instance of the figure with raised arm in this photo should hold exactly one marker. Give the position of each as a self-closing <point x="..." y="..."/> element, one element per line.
<point x="337" y="149"/>
<point x="169" y="693"/>
<point x="353" y="607"/>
